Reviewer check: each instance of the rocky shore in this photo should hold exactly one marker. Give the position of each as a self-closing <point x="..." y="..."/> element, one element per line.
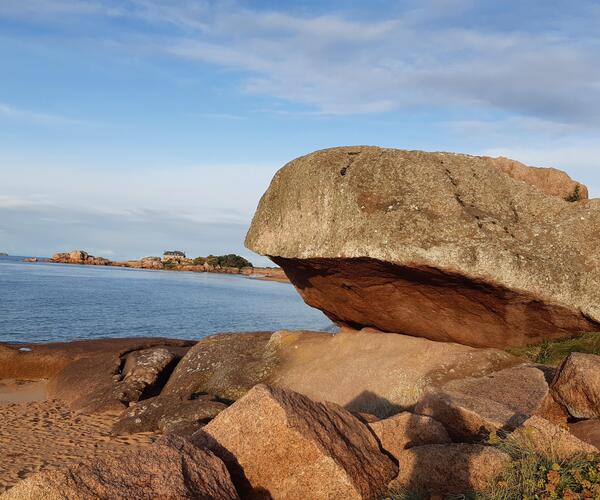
<point x="257" y="412"/>
<point x="441" y="271"/>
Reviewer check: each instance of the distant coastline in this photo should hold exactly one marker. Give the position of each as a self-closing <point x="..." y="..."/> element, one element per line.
<point x="80" y="257"/>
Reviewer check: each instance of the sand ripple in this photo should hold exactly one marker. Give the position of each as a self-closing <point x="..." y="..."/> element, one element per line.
<point x="43" y="435"/>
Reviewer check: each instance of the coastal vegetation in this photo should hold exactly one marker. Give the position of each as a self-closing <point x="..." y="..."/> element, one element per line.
<point x="553" y="352"/>
<point x="539" y="474"/>
<point x="532" y="475"/>
<point x="229" y="260"/>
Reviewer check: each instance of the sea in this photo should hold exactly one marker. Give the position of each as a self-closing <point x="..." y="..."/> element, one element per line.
<point x="45" y="302"/>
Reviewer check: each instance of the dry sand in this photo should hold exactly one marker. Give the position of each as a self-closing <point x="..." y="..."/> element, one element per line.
<point x="37" y="435"/>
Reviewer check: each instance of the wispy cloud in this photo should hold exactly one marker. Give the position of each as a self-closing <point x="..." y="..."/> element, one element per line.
<point x="430" y="55"/>
<point x="39" y="118"/>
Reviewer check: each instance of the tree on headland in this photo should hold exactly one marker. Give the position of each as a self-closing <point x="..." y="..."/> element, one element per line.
<point x="229" y="260"/>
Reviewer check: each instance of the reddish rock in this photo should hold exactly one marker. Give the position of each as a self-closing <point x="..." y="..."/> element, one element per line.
<point x="280" y="444"/>
<point x="449" y="468"/>
<point x="376" y="373"/>
<point x="144" y="373"/>
<point x="407" y="430"/>
<point x="86" y="374"/>
<point x="172" y="469"/>
<point x="365" y="418"/>
<point x="35" y="361"/>
<point x="167" y="413"/>
<point x="551" y="181"/>
<point x="227" y="365"/>
<point x="79" y="257"/>
<point x="587" y="430"/>
<point x="577" y="385"/>
<point x="471" y="408"/>
<point x="556" y="442"/>
<point x="436" y="245"/>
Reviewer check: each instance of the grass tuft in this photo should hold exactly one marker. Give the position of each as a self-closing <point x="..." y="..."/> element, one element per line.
<point x="542" y="476"/>
<point x="553" y="352"/>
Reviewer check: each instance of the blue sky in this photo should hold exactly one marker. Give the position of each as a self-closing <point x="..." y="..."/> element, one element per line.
<point x="129" y="127"/>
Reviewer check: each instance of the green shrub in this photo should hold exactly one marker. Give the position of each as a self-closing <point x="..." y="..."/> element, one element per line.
<point x="232" y="260"/>
<point x="212" y="260"/>
<point x="229" y="260"/>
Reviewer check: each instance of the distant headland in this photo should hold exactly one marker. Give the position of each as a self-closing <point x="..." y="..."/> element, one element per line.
<point x="175" y="260"/>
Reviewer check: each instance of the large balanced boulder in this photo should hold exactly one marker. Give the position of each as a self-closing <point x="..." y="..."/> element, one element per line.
<point x="444" y="246"/>
<point x="577" y="385"/>
<point x="280" y="444"/>
<point x="171" y="469"/>
<point x="378" y="373"/>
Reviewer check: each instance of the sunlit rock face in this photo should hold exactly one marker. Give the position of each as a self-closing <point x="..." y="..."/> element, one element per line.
<point x="476" y="250"/>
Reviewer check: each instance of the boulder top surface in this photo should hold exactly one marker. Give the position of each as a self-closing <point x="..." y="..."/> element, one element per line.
<point x="488" y="220"/>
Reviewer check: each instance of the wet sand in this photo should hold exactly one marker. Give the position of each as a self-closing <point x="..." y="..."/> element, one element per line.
<point x="36" y="434"/>
<point x="21" y="391"/>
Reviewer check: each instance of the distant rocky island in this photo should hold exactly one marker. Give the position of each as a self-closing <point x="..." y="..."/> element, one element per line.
<point x="175" y="260"/>
<point x="3" y="254"/>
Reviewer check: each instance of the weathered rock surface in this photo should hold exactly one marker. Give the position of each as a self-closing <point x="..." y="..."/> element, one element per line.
<point x="167" y="414"/>
<point x="280" y="444"/>
<point x="227" y="365"/>
<point x="145" y="372"/>
<point x="472" y="408"/>
<point x="34" y="361"/>
<point x="587" y="430"/>
<point x="577" y="385"/>
<point x="85" y="374"/>
<point x="407" y="430"/>
<point x="552" y="440"/>
<point x="373" y="372"/>
<point x="549" y="180"/>
<point x="449" y="468"/>
<point x="372" y="235"/>
<point x="171" y="469"/>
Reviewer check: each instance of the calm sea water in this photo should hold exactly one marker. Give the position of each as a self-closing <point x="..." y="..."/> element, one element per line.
<point x="44" y="302"/>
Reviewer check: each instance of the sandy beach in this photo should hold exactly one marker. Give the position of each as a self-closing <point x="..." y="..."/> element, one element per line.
<point x="37" y="434"/>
